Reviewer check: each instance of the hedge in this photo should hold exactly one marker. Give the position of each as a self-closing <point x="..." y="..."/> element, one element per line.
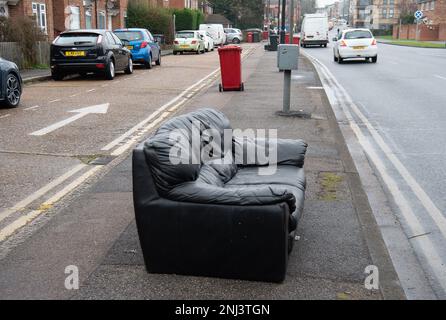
<point x="160" y="20"/>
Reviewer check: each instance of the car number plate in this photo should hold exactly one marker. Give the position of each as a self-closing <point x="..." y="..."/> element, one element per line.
<point x="184" y="46"/>
<point x="75" y="53"/>
<point x="359" y="47"/>
<point x="130" y="47"/>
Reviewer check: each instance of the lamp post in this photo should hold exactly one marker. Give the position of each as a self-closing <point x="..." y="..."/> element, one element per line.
<point x="282" y="28"/>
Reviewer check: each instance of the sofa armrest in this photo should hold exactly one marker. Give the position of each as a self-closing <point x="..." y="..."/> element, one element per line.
<point x="279" y="151"/>
<point x="241" y="242"/>
<point x="199" y="192"/>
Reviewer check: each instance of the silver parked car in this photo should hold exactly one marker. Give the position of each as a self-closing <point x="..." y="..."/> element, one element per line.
<point x="233" y="35"/>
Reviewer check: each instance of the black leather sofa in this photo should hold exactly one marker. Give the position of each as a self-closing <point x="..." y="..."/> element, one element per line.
<point x="213" y="218"/>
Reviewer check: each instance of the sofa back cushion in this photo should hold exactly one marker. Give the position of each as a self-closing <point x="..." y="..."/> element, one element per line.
<point x="173" y="155"/>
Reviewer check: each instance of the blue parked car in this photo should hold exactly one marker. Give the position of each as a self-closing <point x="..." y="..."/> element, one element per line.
<point x="143" y="46"/>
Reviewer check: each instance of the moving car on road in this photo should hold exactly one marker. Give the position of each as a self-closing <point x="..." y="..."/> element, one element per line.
<point x="83" y="51"/>
<point x="11" y="83"/>
<point x="208" y="41"/>
<point x="314" y="30"/>
<point x="142" y="45"/>
<point x="355" y="43"/>
<point x="233" y="35"/>
<point x="188" y="41"/>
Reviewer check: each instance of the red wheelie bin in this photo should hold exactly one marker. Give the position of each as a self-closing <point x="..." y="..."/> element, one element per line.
<point x="230" y="68"/>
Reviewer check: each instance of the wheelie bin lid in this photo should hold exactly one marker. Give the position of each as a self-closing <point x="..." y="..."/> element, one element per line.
<point x="230" y="48"/>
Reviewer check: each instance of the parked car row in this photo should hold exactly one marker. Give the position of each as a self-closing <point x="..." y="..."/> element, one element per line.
<point x="102" y="52"/>
<point x="105" y="52"/>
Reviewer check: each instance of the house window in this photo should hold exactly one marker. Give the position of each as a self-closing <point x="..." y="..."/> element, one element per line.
<point x="101" y="20"/>
<point x="4" y="10"/>
<point x="391" y="2"/>
<point x="39" y="13"/>
<point x="433" y="5"/>
<point x="88" y="23"/>
<point x="384" y="13"/>
<point x="75" y="18"/>
<point x="391" y="13"/>
<point x="384" y="2"/>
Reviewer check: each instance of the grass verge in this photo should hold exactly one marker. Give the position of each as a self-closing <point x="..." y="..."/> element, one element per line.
<point x="413" y="43"/>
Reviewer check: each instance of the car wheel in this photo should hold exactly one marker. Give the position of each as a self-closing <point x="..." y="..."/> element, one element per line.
<point x="148" y="64"/>
<point x="13" y="90"/>
<point x="175" y="53"/>
<point x="236" y="41"/>
<point x="181" y="52"/>
<point x="129" y="69"/>
<point x="158" y="62"/>
<point x="340" y="60"/>
<point x="335" y="58"/>
<point x="57" y="76"/>
<point x="110" y="70"/>
<point x="374" y="59"/>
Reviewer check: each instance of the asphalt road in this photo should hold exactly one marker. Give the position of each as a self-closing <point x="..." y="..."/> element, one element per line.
<point x="398" y="109"/>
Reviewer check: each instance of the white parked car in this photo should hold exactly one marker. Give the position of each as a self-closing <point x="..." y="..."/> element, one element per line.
<point x="355" y="43"/>
<point x="216" y="31"/>
<point x="208" y="41"/>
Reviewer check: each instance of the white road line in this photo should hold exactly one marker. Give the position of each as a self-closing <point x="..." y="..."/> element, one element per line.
<point x="4" y="116"/>
<point x="128" y="133"/>
<point x="32" y="108"/>
<point x="427" y="247"/>
<point x="55" y="100"/>
<point x="25" y="219"/>
<point x="129" y="143"/>
<point x="315" y="88"/>
<point x="36" y="195"/>
<point x="439" y="77"/>
<point x="91" y="90"/>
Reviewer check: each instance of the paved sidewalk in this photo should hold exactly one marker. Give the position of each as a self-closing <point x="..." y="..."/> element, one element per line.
<point x="338" y="235"/>
<point x="30" y="75"/>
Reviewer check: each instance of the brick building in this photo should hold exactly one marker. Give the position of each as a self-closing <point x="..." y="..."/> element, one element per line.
<point x="433" y="10"/>
<point x="374" y="14"/>
<point x="55" y="16"/>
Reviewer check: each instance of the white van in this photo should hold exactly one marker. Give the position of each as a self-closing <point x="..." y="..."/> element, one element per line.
<point x="314" y="30"/>
<point x="216" y="31"/>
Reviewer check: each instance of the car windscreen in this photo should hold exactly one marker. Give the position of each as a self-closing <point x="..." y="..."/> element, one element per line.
<point x="76" y="39"/>
<point x="186" y="35"/>
<point x="130" y="35"/>
<point x="358" y="34"/>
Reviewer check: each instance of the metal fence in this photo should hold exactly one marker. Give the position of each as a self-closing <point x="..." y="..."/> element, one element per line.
<point x="11" y="51"/>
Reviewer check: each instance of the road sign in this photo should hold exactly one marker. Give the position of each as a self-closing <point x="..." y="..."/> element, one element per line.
<point x="418" y="14"/>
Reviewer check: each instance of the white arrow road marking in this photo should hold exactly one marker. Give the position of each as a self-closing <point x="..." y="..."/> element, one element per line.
<point x="98" y="109"/>
<point x="439" y="77"/>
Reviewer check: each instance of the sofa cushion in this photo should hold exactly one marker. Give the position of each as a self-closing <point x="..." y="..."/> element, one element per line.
<point x="169" y="151"/>
<point x="284" y="175"/>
